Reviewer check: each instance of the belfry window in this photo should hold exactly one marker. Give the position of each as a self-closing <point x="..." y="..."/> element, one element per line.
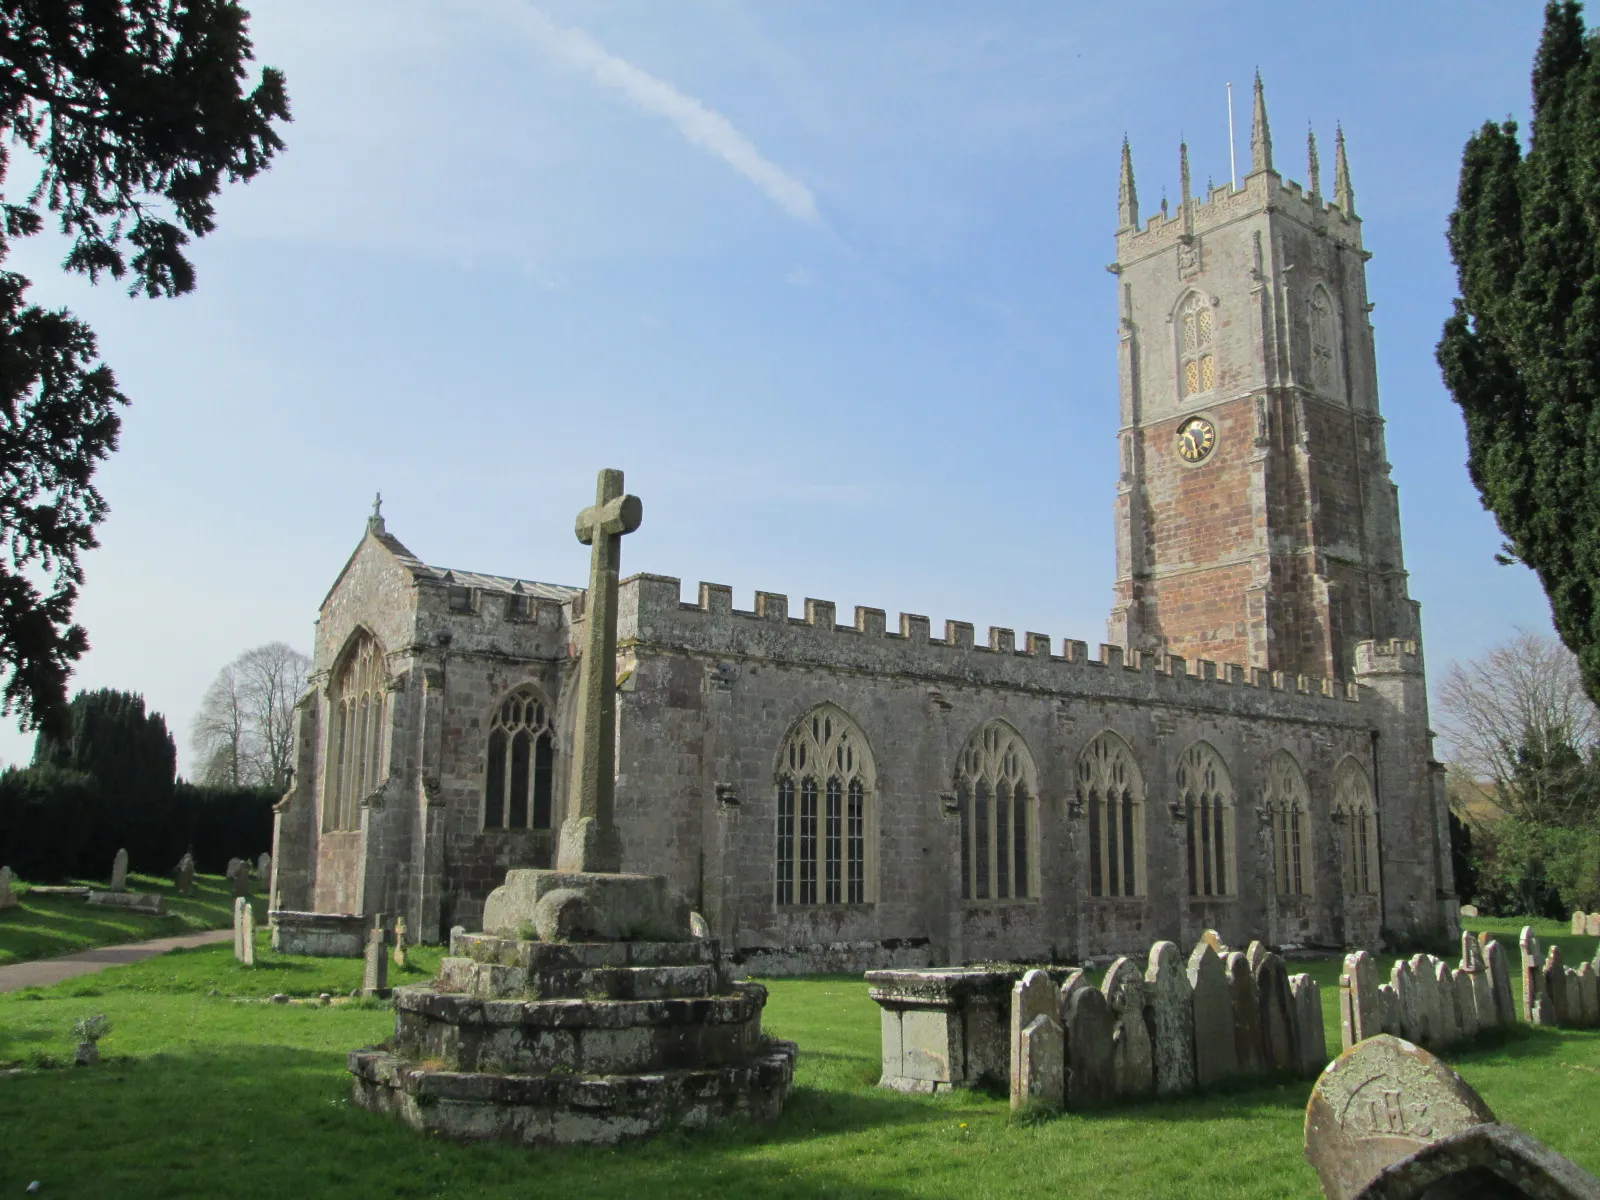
<point x="1111" y="790"/>
<point x="520" y="766"/>
<point x="354" y="765"/>
<point x="1205" y="791"/>
<point x="997" y="794"/>
<point x="1352" y="798"/>
<point x="1197" y="362"/>
<point x="1323" y="366"/>
<point x="824" y="804"/>
<point x="1288" y="804"/>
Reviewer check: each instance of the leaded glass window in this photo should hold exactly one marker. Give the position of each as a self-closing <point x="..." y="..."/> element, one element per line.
<point x="1205" y="792"/>
<point x="1197" y="361"/>
<point x="1111" y="789"/>
<point x="1352" y="797"/>
<point x="518" y="776"/>
<point x="997" y="794"/>
<point x="824" y="793"/>
<point x="1288" y="804"/>
<point x="358" y="704"/>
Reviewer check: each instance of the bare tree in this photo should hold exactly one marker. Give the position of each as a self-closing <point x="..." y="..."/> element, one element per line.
<point x="244" y="731"/>
<point x="1524" y="697"/>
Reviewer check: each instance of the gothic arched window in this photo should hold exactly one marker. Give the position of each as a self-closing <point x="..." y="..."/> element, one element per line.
<point x="1352" y="799"/>
<point x="1205" y="790"/>
<point x="1324" y="361"/>
<point x="1288" y="804"/>
<point x="354" y="766"/>
<point x="997" y="791"/>
<point x="824" y="820"/>
<point x="1197" y="363"/>
<point x="521" y="764"/>
<point x="1112" y="790"/>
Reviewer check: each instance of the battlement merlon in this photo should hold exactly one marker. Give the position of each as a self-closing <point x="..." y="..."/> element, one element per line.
<point x="652" y="615"/>
<point x="1392" y="656"/>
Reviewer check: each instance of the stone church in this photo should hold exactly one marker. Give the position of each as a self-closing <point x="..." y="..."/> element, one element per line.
<point x="1250" y="751"/>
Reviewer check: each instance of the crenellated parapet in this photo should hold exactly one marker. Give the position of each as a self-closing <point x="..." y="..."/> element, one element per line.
<point x="653" y="614"/>
<point x="1391" y="656"/>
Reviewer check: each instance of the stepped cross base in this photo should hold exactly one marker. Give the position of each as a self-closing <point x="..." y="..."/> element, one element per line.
<point x="589" y="844"/>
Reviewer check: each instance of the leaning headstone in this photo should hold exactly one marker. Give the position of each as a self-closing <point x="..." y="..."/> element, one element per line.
<point x="1425" y="983"/>
<point x="1031" y="996"/>
<point x="239" y="877"/>
<point x="1277" y="1014"/>
<point x="1214" y="939"/>
<point x="1359" y="1017"/>
<point x="1476" y="972"/>
<point x="119" y="872"/>
<point x="8" y="898"/>
<point x="1042" y="1066"/>
<point x="1480" y="1162"/>
<point x="1379" y="1101"/>
<point x="247" y="935"/>
<point x="1076" y="978"/>
<point x="240" y="907"/>
<point x="1253" y="955"/>
<point x="1247" y="1044"/>
<point x="183" y="875"/>
<point x="1588" y="987"/>
<point x="1495" y="962"/>
<point x="375" y="974"/>
<point x="1555" y="987"/>
<point x="1130" y="1039"/>
<point x="1169" y="1011"/>
<point x="1214" y="1056"/>
<point x="1532" y="977"/>
<point x="399" y="941"/>
<point x="1310" y="1034"/>
<point x="1091" y="1077"/>
<point x="1466" y="1003"/>
<point x="1447" y="1030"/>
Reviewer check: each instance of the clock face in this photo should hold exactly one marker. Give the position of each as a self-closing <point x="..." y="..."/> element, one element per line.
<point x="1196" y="437"/>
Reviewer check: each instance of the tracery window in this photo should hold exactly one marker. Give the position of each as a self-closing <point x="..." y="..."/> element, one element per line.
<point x="1205" y="790"/>
<point x="1352" y="797"/>
<point x="824" y="812"/>
<point x="520" y="766"/>
<point x="1111" y="789"/>
<point x="1197" y="364"/>
<point x="1323" y="373"/>
<point x="354" y="765"/>
<point x="1288" y="804"/>
<point x="996" y="786"/>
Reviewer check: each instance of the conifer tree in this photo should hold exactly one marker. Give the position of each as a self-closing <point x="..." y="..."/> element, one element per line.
<point x="134" y="113"/>
<point x="1521" y="352"/>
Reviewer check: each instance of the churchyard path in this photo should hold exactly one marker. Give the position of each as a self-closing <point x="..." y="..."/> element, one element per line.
<point x="46" y="971"/>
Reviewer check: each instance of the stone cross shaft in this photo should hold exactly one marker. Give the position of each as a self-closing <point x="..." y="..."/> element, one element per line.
<point x="590" y="840"/>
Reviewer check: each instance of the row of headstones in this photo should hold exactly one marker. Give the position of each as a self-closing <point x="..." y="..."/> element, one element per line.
<point x="1556" y="994"/>
<point x="1166" y="1033"/>
<point x="238" y="872"/>
<point x="1427" y="1001"/>
<point x="1586" y="924"/>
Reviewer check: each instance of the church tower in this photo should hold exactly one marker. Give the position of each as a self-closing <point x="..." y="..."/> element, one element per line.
<point x="1256" y="521"/>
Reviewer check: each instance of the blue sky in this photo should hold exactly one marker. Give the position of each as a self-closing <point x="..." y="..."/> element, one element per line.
<point x="825" y="279"/>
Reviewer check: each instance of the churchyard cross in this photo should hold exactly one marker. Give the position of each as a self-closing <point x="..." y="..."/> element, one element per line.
<point x="590" y="840"/>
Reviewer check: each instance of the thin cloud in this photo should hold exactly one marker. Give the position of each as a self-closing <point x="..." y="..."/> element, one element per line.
<point x="702" y="126"/>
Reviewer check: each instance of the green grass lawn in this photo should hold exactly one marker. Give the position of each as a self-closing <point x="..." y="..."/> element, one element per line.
<point x="206" y="1090"/>
<point x="47" y="926"/>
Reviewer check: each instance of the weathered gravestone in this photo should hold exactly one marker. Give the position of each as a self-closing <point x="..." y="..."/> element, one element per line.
<point x="183" y="875"/>
<point x="1536" y="1008"/>
<point x="1481" y="983"/>
<point x="1215" y="1058"/>
<point x="1253" y="954"/>
<point x="1555" y="987"/>
<point x="1448" y="1029"/>
<point x="1359" y="1014"/>
<point x="1469" y="910"/>
<point x="1404" y="982"/>
<point x="264" y="869"/>
<point x="1378" y="1102"/>
<point x="1247" y="1044"/>
<point x="1214" y="939"/>
<point x="399" y="941"/>
<point x="1279" y="1052"/>
<point x="1311" y="1036"/>
<point x="1580" y="923"/>
<point x="8" y="898"/>
<point x="1038" y="1058"/>
<point x="1169" y="1010"/>
<point x="239" y="876"/>
<point x="140" y="902"/>
<point x="119" y="872"/>
<point x="1389" y="1121"/>
<point x="1499" y="968"/>
<point x="1586" y="984"/>
<point x="1091" y="1072"/>
<point x="375" y="972"/>
<point x="247" y="935"/>
<point x="1130" y="1049"/>
<point x="240" y="907"/>
<point x="1388" y="1009"/>
<point x="1592" y="925"/>
<point x="698" y="926"/>
<point x="1466" y="1003"/>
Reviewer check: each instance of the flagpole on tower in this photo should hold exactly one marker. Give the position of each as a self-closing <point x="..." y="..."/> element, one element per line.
<point x="1233" y="166"/>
